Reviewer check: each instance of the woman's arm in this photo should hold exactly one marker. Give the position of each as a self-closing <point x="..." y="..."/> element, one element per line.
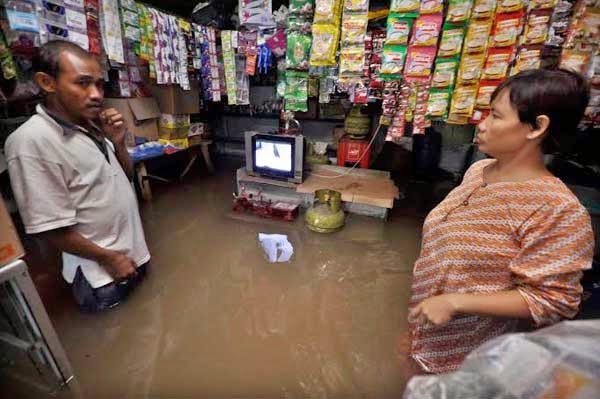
<point x="440" y="309"/>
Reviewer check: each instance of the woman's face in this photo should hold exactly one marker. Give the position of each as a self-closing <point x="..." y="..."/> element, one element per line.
<point x="502" y="133"/>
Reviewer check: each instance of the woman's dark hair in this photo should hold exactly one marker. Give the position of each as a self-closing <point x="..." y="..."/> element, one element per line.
<point x="560" y="94"/>
<point x="47" y="60"/>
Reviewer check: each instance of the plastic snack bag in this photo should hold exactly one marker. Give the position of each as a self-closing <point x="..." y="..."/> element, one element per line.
<point x="398" y="29"/>
<point x="408" y="7"/>
<point x="298" y="50"/>
<point x="538" y="25"/>
<point x="419" y="62"/>
<point x="356" y="5"/>
<point x="506" y="29"/>
<point x="302" y="7"/>
<point x="427" y="30"/>
<point x="463" y="100"/>
<point x="438" y="103"/>
<point x="459" y="10"/>
<point x="477" y="36"/>
<point x="575" y="60"/>
<point x="431" y="7"/>
<point x="444" y="75"/>
<point x="328" y="12"/>
<point x="506" y="6"/>
<point x="483" y="9"/>
<point x="354" y="28"/>
<point x="352" y="60"/>
<point x="528" y="57"/>
<point x="393" y="61"/>
<point x="484" y="93"/>
<point x="296" y="91"/>
<point x="470" y="69"/>
<point x="496" y="65"/>
<point x="324" y="47"/>
<point x="452" y="40"/>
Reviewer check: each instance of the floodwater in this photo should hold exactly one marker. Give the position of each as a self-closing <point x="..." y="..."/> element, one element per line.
<point x="215" y="319"/>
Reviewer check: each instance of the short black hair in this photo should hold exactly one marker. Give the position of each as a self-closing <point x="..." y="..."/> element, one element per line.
<point x="47" y="60"/>
<point x="562" y="95"/>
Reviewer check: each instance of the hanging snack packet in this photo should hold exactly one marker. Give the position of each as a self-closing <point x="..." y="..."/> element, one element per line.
<point x="506" y="29"/>
<point x="302" y="7"/>
<point x="296" y="91"/>
<point x="356" y="5"/>
<point x="352" y="60"/>
<point x="576" y="60"/>
<point x="542" y="4"/>
<point x="452" y="40"/>
<point x="407" y="7"/>
<point x="419" y="62"/>
<point x="298" y="23"/>
<point x="484" y="94"/>
<point x="427" y="30"/>
<point x="439" y="101"/>
<point x="354" y="28"/>
<point x="463" y="100"/>
<point x="483" y="9"/>
<point x="324" y="47"/>
<point x="470" y="69"/>
<point x="528" y="57"/>
<point x="538" y="24"/>
<point x="506" y="6"/>
<point x="420" y="114"/>
<point x="393" y="61"/>
<point x="497" y="63"/>
<point x="328" y="12"/>
<point x="459" y="10"/>
<point x="445" y="73"/>
<point x="431" y="7"/>
<point x="477" y="36"/>
<point x="298" y="51"/>
<point x="398" y="29"/>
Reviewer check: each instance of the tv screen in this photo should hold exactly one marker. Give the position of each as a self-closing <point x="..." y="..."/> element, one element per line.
<point x="273" y="155"/>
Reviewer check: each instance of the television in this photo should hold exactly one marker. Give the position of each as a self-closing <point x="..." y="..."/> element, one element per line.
<point x="275" y="156"/>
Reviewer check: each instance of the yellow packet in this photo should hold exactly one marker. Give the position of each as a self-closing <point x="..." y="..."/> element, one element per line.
<point x="470" y="69"/>
<point x="328" y="12"/>
<point x="324" y="45"/>
<point x="477" y="36"/>
<point x="463" y="100"/>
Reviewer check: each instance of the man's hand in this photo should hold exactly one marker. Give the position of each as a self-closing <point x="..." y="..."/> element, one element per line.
<point x="436" y="310"/>
<point x="119" y="266"/>
<point x="113" y="126"/>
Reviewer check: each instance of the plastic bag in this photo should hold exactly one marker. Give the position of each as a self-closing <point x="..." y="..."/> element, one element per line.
<point x="561" y="361"/>
<point x="325" y="42"/>
<point x="296" y="91"/>
<point x="302" y="7"/>
<point x="398" y="29"/>
<point x="328" y="12"/>
<point x="298" y="50"/>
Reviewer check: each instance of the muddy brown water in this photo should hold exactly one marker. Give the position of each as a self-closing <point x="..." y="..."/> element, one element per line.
<point x="215" y="319"/>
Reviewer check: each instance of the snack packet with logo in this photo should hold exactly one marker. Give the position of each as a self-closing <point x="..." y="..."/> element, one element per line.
<point x="484" y="93"/>
<point x="497" y="63"/>
<point x="438" y="103"/>
<point x="302" y="7"/>
<point x="408" y="7"/>
<point x="477" y="36"/>
<point x="398" y="29"/>
<point x="431" y="7"/>
<point x="325" y="42"/>
<point x="576" y="60"/>
<point x="452" y="40"/>
<point x="328" y="12"/>
<point x="296" y="91"/>
<point x="427" y="30"/>
<point x="354" y="28"/>
<point x="506" y="29"/>
<point x="352" y="60"/>
<point x="444" y="74"/>
<point x="483" y="9"/>
<point x="356" y="5"/>
<point x="470" y="69"/>
<point x="538" y="24"/>
<point x="463" y="100"/>
<point x="298" y="50"/>
<point x="528" y="57"/>
<point x="506" y="6"/>
<point x="419" y="62"/>
<point x="542" y="4"/>
<point x="393" y="61"/>
<point x="459" y="10"/>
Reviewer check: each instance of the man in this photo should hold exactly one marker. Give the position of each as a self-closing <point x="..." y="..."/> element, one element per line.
<point x="69" y="169"/>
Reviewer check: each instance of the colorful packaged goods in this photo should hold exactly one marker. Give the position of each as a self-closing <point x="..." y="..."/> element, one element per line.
<point x="452" y="40"/>
<point x="542" y="4"/>
<point x="419" y="62"/>
<point x="324" y="45"/>
<point x="506" y="29"/>
<point x="508" y="6"/>
<point x="463" y="100"/>
<point x="354" y="28"/>
<point x="356" y="5"/>
<point x="445" y="73"/>
<point x="470" y="70"/>
<point x="392" y="64"/>
<point x="431" y="7"/>
<point x="477" y="36"/>
<point x="427" y="30"/>
<point x="483" y="9"/>
<point x="398" y="29"/>
<point x="576" y="60"/>
<point x="407" y="7"/>
<point x="352" y="61"/>
<point x="497" y="63"/>
<point x="302" y="7"/>
<point x="438" y="103"/>
<point x="298" y="51"/>
<point x="538" y="25"/>
<point x="420" y="114"/>
<point x="528" y="57"/>
<point x="459" y="10"/>
<point x="484" y="93"/>
<point x="328" y="12"/>
<point x="296" y="91"/>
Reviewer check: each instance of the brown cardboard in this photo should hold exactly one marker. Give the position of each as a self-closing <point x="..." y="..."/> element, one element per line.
<point x="10" y="245"/>
<point x="140" y="116"/>
<point x="172" y="99"/>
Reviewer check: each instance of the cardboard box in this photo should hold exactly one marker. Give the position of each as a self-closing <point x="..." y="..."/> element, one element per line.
<point x="140" y="116"/>
<point x="172" y="99"/>
<point x="11" y="248"/>
<point x="174" y="121"/>
<point x="168" y="133"/>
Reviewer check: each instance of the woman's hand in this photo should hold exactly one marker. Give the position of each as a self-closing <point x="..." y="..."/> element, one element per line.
<point x="436" y="310"/>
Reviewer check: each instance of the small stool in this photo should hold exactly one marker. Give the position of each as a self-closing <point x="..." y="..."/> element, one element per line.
<point x="350" y="151"/>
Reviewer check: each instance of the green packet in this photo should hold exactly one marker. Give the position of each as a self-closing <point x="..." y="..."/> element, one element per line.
<point x="298" y="51"/>
<point x="296" y="91"/>
<point x="398" y="29"/>
<point x="302" y="7"/>
<point x="392" y="64"/>
<point x="453" y="36"/>
<point x="444" y="74"/>
<point x="438" y="103"/>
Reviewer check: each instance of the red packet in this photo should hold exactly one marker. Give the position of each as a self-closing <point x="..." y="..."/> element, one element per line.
<point x="426" y="31"/>
<point x="419" y="62"/>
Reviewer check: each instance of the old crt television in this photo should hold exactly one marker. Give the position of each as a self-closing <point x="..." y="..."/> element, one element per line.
<point x="275" y="156"/>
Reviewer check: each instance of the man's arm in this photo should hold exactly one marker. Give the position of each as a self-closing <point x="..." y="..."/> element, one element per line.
<point x="440" y="309"/>
<point x="68" y="240"/>
<point x="114" y="128"/>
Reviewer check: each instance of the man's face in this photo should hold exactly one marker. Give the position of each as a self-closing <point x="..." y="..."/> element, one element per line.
<point x="79" y="87"/>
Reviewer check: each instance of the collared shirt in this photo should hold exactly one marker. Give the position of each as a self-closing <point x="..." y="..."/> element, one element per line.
<point x="60" y="179"/>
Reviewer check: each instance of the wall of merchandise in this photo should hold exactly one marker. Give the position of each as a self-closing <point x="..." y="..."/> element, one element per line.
<point x="423" y="60"/>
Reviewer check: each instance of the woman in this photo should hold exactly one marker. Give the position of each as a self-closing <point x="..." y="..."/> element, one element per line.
<point x="512" y="240"/>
